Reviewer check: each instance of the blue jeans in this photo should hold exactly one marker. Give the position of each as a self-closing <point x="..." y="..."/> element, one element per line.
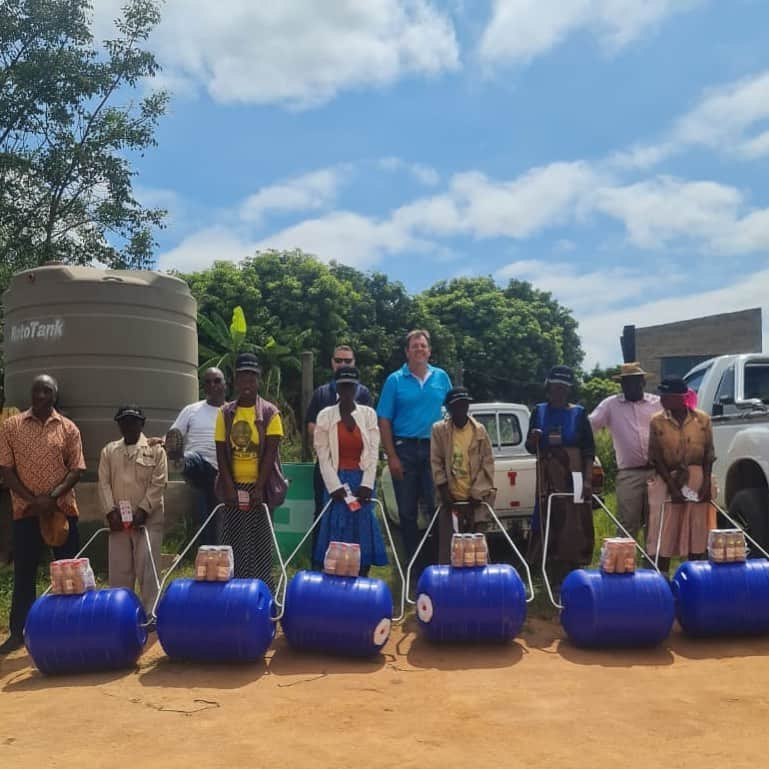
<point x="27" y="543"/>
<point x="417" y="484"/>
<point x="202" y="476"/>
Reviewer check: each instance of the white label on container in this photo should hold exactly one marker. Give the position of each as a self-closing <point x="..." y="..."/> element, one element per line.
<point x="424" y="607"/>
<point x="382" y="632"/>
<point x="48" y="330"/>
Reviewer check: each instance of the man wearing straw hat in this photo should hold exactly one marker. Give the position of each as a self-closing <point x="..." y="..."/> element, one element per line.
<point x="627" y="416"/>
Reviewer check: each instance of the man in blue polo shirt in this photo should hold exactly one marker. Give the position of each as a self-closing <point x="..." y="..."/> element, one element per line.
<point x="324" y="396"/>
<point x="409" y="405"/>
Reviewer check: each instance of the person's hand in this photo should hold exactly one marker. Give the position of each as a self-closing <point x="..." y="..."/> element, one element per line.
<point x="444" y="495"/>
<point x="140" y="518"/>
<point x="535" y="436"/>
<point x="364" y="494"/>
<point x="339" y="494"/>
<point x="114" y="521"/>
<point x="676" y="495"/>
<point x="229" y="496"/>
<point x="396" y="468"/>
<point x="156" y="441"/>
<point x="587" y="492"/>
<point x="255" y="496"/>
<point x="705" y="490"/>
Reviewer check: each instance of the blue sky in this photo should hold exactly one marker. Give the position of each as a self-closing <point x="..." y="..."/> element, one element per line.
<point x="614" y="152"/>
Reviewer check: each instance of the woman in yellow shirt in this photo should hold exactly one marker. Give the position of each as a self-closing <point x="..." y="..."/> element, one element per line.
<point x="247" y="435"/>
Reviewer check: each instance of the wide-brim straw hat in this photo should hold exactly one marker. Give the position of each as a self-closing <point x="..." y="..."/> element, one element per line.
<point x="630" y="369"/>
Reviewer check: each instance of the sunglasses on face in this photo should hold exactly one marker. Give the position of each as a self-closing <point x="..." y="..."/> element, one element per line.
<point x="343" y="360"/>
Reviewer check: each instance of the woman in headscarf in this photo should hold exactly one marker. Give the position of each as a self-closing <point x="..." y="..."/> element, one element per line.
<point x="681" y="451"/>
<point x="561" y="437"/>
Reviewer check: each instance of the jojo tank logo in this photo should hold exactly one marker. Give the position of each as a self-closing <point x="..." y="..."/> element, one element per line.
<point x="48" y="330"/>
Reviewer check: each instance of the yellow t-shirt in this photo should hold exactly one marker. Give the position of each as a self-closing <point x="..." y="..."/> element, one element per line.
<point x="459" y="480"/>
<point x="244" y="440"/>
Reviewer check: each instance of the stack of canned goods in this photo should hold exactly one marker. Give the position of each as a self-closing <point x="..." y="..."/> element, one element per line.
<point x="342" y="559"/>
<point x="726" y="545"/>
<point x="72" y="576"/>
<point x="468" y="550"/>
<point x="214" y="563"/>
<point x="618" y="555"/>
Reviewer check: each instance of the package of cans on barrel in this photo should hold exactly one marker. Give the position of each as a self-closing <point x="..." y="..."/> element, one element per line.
<point x="469" y="550"/>
<point x="342" y="559"/>
<point x="214" y="563"/>
<point x="72" y="576"/>
<point x="726" y="545"/>
<point x="618" y="555"/>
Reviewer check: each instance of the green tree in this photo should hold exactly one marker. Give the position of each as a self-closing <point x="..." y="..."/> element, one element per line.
<point x="66" y="144"/>
<point x="592" y="391"/>
<point x="506" y="338"/>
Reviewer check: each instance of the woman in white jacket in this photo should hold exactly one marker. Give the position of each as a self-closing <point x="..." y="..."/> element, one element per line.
<point x="347" y="445"/>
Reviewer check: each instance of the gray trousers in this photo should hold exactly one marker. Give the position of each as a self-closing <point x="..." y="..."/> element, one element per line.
<point x="129" y="562"/>
<point x="633" y="499"/>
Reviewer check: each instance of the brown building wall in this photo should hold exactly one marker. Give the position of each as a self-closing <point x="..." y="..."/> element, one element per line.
<point x="668" y="346"/>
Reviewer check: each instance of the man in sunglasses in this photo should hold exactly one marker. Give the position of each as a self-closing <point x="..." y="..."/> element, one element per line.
<point x="192" y="437"/>
<point x="325" y="396"/>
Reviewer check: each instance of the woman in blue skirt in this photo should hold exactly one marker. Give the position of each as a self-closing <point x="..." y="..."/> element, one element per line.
<point x="347" y="445"/>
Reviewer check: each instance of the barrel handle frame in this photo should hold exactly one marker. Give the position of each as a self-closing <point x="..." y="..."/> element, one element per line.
<point x="316" y="522"/>
<point x="720" y="510"/>
<point x="104" y="529"/>
<point x="617" y="522"/>
<point x="405" y="595"/>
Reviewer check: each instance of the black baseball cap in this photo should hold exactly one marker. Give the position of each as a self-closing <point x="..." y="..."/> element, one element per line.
<point x="247" y="361"/>
<point x="672" y="385"/>
<point x="130" y="410"/>
<point x="348" y="374"/>
<point x="456" y="394"/>
<point x="560" y="375"/>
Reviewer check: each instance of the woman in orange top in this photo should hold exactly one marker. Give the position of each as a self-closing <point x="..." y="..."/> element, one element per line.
<point x="347" y="445"/>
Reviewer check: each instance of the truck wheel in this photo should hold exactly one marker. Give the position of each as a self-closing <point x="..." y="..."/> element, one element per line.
<point x="751" y="508"/>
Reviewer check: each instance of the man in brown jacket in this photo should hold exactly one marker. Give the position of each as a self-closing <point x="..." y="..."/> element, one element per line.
<point x="463" y="469"/>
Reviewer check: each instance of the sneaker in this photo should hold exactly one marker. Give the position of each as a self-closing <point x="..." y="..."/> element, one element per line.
<point x="11" y="644"/>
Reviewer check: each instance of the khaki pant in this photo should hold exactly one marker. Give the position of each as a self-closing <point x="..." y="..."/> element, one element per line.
<point x="633" y="499"/>
<point x="128" y="561"/>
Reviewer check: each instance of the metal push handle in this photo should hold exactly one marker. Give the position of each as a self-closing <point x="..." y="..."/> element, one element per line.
<point x="515" y="550"/>
<point x="407" y="590"/>
<point x="379" y="504"/>
<point x="172" y="567"/>
<point x="107" y="529"/>
<point x="283" y="576"/>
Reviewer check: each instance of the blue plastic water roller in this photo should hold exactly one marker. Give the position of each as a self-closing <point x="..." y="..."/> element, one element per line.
<point x="341" y="615"/>
<point x="216" y="621"/>
<point x="483" y="603"/>
<point x="98" y="630"/>
<point x="717" y="599"/>
<point x="616" y="610"/>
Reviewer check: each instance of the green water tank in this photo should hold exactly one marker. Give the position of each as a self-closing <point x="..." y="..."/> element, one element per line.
<point x="109" y="337"/>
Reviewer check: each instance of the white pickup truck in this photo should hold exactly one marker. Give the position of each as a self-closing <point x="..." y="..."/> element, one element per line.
<point x="515" y="470"/>
<point x="734" y="391"/>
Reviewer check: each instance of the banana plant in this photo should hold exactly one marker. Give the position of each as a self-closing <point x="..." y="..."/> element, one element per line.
<point x="223" y="343"/>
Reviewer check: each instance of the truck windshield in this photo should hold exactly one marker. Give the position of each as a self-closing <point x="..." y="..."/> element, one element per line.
<point x="694" y="380"/>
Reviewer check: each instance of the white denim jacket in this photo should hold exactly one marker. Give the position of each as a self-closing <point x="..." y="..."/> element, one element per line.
<point x="327" y="444"/>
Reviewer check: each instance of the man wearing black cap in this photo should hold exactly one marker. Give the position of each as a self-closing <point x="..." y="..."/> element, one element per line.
<point x="132" y="478"/>
<point x="462" y="462"/>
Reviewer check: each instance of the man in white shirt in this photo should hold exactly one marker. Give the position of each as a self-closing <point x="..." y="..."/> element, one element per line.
<point x="627" y="417"/>
<point x="192" y="436"/>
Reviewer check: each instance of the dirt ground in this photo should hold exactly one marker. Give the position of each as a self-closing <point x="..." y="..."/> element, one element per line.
<point x="538" y="702"/>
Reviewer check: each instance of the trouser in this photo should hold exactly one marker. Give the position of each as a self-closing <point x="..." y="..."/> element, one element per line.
<point x="417" y="483"/>
<point x="129" y="561"/>
<point x="465" y="522"/>
<point x="201" y="475"/>
<point x="633" y="498"/>
<point x="27" y="543"/>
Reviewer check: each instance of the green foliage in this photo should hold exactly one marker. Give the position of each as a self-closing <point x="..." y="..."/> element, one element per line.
<point x="604" y="450"/>
<point x="593" y="391"/>
<point x="221" y="343"/>
<point x="65" y="144"/>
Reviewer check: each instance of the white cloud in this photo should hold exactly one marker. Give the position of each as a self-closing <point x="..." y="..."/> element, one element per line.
<point x="520" y="30"/>
<point x="600" y="330"/>
<point x="729" y="118"/>
<point x="346" y="237"/>
<point x="203" y="248"/>
<point x="314" y="190"/>
<point x="296" y="52"/>
<point x="422" y="173"/>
